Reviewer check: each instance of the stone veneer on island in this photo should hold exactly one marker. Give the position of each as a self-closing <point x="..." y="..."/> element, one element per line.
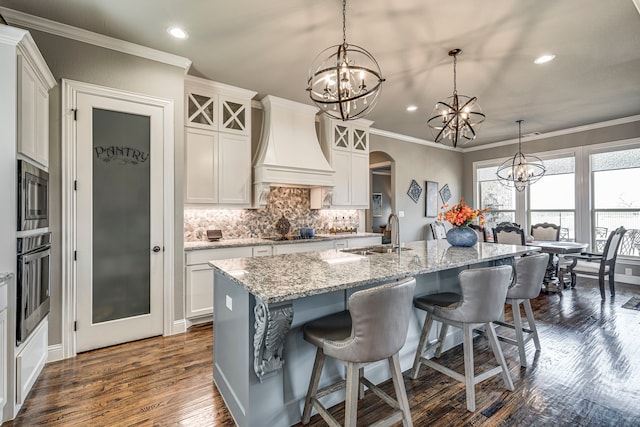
<point x="262" y="364"/>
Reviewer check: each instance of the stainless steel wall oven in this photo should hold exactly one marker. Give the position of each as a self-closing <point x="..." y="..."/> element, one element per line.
<point x="34" y="259"/>
<point x="33" y="197"/>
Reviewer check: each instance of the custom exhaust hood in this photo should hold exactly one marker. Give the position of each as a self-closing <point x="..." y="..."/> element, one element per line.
<point x="289" y="153"/>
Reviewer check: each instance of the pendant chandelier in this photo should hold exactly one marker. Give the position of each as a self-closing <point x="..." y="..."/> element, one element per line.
<point x="520" y="170"/>
<point x="344" y="80"/>
<point x="457" y="117"/>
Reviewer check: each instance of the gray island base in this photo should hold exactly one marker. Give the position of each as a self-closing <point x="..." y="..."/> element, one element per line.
<point x="262" y="364"/>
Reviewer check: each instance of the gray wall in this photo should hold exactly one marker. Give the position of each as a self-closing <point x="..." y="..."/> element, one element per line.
<point x="422" y="163"/>
<point x="74" y="60"/>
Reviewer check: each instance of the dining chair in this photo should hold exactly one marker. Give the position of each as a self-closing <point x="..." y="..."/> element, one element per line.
<point x="509" y="235"/>
<point x="439" y="229"/>
<point x="481" y="231"/>
<point x="601" y="238"/>
<point x="545" y="231"/>
<point x="597" y="264"/>
<point x="627" y="247"/>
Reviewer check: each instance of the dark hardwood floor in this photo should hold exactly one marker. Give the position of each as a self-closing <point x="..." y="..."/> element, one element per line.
<point x="587" y="374"/>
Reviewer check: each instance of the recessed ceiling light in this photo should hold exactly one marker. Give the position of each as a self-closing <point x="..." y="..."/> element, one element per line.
<point x="544" y="59"/>
<point x="412" y="108"/>
<point x="177" y="32"/>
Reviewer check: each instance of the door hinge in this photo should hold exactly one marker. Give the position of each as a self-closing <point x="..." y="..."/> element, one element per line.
<point x="75" y="185"/>
<point x="75" y="255"/>
<point x="75" y="325"/>
<point x="75" y="114"/>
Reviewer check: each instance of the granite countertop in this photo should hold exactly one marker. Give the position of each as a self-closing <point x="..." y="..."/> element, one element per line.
<point x="5" y="277"/>
<point x="256" y="241"/>
<point x="288" y="277"/>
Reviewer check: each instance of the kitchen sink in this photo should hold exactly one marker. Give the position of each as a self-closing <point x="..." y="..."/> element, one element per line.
<point x="370" y="250"/>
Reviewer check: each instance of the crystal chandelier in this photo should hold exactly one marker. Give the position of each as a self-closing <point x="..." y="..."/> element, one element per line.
<point x="344" y="80"/>
<point x="520" y="170"/>
<point x="458" y="116"/>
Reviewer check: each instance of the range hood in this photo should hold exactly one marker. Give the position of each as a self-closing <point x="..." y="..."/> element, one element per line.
<point x="289" y="153"/>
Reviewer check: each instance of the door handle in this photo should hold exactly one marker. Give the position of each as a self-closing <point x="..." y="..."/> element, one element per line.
<point x="156" y="249"/>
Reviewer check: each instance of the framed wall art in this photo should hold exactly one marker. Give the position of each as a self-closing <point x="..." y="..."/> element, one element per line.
<point x="431" y="199"/>
<point x="445" y="193"/>
<point x="414" y="191"/>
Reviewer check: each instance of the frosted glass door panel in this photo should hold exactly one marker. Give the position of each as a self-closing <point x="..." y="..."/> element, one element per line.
<point x="121" y="215"/>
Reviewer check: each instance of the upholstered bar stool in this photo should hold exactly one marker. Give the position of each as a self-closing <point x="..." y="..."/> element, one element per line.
<point x="483" y="292"/>
<point x="528" y="275"/>
<point x="375" y="328"/>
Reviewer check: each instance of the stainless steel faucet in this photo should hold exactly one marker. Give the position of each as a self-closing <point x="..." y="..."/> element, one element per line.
<point x="394" y="225"/>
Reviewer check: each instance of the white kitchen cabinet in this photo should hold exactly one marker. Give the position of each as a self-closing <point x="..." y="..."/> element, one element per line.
<point x="217" y="143"/>
<point x="4" y="339"/>
<point x="346" y="146"/>
<point x="217" y="168"/>
<point x="358" y="242"/>
<point x="217" y="107"/>
<point x="33" y="117"/>
<point x="199" y="277"/>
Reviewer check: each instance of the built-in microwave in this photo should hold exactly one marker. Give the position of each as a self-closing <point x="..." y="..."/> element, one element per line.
<point x="33" y="197"/>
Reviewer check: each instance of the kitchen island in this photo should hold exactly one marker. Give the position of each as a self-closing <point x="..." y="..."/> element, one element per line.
<point x="261" y="362"/>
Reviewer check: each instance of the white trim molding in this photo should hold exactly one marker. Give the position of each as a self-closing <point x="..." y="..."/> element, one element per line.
<point x="547" y="135"/>
<point x="406" y="138"/>
<point x="22" y="19"/>
<point x="70" y="91"/>
<point x="55" y="353"/>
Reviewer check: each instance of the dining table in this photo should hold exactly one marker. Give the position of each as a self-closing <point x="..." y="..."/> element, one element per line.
<point x="555" y="249"/>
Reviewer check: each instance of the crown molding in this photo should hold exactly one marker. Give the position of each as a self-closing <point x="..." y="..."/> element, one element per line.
<point x="25" y="20"/>
<point x="414" y="140"/>
<point x="553" y="134"/>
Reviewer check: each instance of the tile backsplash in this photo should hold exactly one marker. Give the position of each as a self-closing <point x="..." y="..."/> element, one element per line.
<point x="293" y="203"/>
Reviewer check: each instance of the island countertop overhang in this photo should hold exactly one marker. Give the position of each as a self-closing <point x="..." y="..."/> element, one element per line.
<point x="282" y="278"/>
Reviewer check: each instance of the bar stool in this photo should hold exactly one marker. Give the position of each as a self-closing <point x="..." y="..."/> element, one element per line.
<point x="375" y="328"/>
<point x="483" y="294"/>
<point x="529" y="273"/>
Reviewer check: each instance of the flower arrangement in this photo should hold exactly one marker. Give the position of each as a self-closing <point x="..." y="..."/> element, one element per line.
<point x="461" y="215"/>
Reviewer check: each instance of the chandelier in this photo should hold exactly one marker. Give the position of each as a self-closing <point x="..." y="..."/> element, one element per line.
<point x="520" y="170"/>
<point x="458" y="116"/>
<point x="344" y="80"/>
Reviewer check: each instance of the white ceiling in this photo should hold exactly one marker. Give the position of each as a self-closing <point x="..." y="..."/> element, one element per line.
<point x="268" y="45"/>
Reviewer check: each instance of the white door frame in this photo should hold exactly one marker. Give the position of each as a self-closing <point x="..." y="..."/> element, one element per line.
<point x="70" y="90"/>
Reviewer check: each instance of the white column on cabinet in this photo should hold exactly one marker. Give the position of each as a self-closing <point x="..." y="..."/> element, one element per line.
<point x="27" y="128"/>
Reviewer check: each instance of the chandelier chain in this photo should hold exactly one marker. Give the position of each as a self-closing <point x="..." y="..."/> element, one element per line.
<point x="455" y="60"/>
<point x="344" y="23"/>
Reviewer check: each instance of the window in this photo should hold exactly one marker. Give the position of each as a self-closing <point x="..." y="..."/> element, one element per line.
<point x="500" y="200"/>
<point x="552" y="199"/>
<point x="616" y="198"/>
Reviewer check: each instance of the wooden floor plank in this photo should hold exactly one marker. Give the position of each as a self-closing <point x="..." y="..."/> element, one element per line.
<point x="587" y="374"/>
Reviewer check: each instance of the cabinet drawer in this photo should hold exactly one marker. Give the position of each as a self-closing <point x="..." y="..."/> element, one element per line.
<point x="204" y="256"/>
<point x="262" y="251"/>
<point x="357" y="242"/>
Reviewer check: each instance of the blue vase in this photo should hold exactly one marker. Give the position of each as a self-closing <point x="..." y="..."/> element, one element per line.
<point x="462" y="236"/>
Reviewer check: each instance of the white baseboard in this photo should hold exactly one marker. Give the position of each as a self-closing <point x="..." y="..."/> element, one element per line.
<point x="621" y="278"/>
<point x="178" y="327"/>
<point x="54" y="353"/>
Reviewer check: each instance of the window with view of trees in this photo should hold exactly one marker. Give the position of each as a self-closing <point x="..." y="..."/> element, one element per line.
<point x="552" y="199"/>
<point x="500" y="200"/>
<point x="615" y="176"/>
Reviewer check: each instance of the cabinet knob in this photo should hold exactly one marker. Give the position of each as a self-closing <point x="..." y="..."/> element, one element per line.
<point x="156" y="249"/>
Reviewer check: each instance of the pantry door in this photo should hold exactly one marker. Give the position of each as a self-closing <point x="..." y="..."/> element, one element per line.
<point x="119" y="214"/>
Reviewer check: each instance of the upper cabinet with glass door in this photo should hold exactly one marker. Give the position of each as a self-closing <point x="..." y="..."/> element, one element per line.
<point x="217" y="107"/>
<point x="346" y="147"/>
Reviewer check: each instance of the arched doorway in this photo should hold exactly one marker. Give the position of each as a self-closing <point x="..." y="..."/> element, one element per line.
<point x="382" y="179"/>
